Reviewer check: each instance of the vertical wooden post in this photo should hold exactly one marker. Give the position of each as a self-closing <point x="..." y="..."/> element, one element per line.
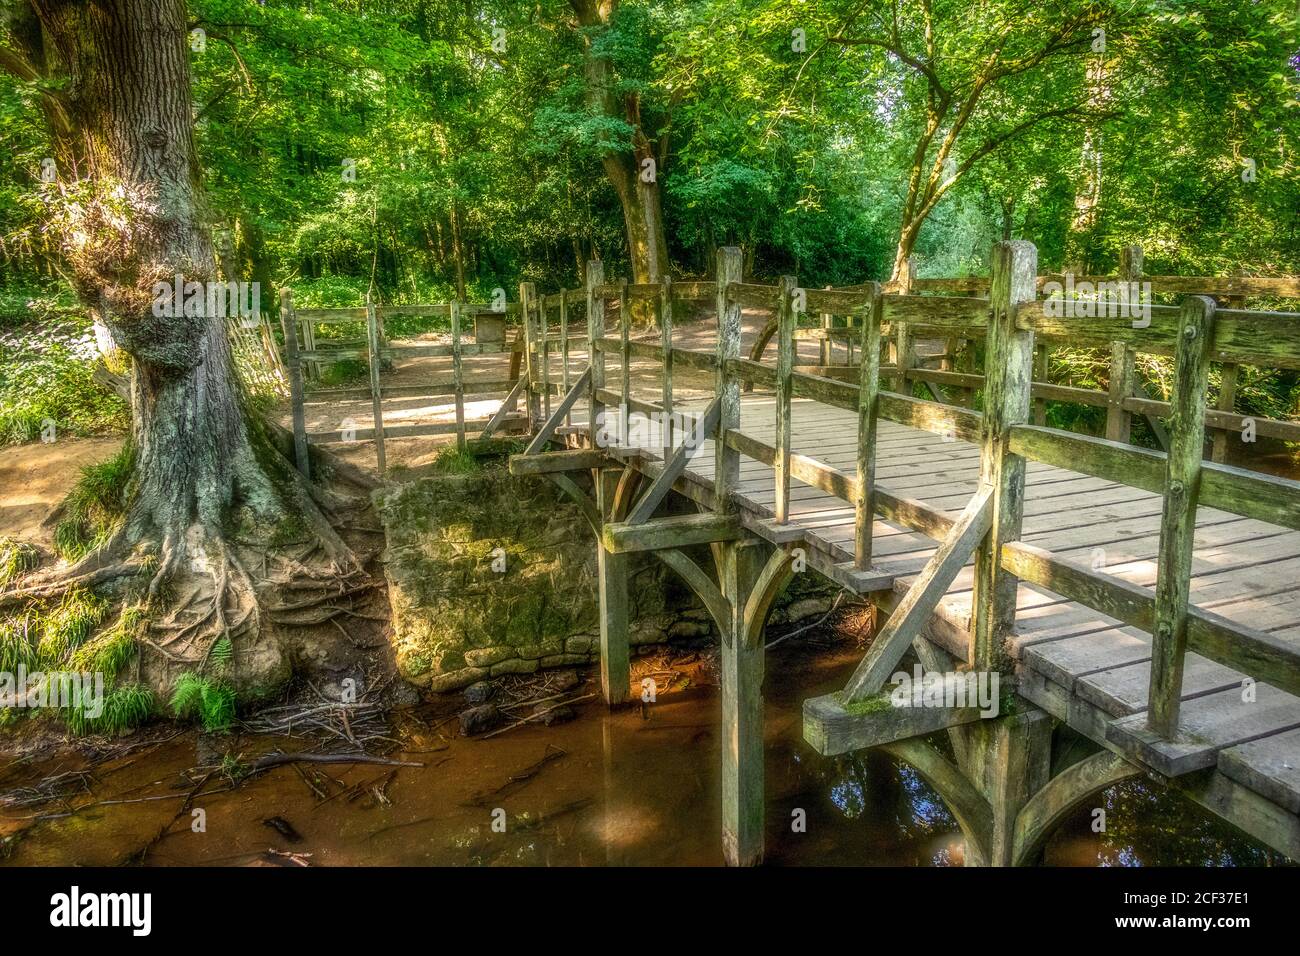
<point x="376" y="399"/>
<point x="827" y="350"/>
<point x="726" y="461"/>
<point x="544" y="346"/>
<point x="905" y="356"/>
<point x="1227" y="403"/>
<point x="1123" y="374"/>
<point x="785" y="323"/>
<point x="308" y="330"/>
<point x="1040" y="375"/>
<point x="868" y="389"/>
<point x="741" y="673"/>
<point x="615" y="673"/>
<point x="1008" y="760"/>
<point x="625" y="352"/>
<point x="595" y="357"/>
<point x="294" y="367"/>
<point x="527" y="305"/>
<point x="1009" y="367"/>
<point x="457" y="375"/>
<point x="1178" y="518"/>
<point x="564" y="347"/>
<point x="666" y="343"/>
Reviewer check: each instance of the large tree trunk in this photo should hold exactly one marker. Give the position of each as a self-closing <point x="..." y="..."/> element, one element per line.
<point x="635" y="181"/>
<point x="127" y="68"/>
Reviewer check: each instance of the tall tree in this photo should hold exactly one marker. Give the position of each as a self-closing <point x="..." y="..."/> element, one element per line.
<point x="129" y="213"/>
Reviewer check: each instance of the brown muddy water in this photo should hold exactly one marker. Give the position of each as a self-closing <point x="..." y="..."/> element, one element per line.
<point x="629" y="788"/>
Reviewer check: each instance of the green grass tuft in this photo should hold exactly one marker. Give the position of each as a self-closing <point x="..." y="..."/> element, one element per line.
<point x="17" y="642"/>
<point x="96" y="505"/>
<point x="212" y="702"/>
<point x="109" y="652"/>
<point x="16" y="559"/>
<point x="452" y="461"/>
<point x="68" y="626"/>
<point x="125" y="708"/>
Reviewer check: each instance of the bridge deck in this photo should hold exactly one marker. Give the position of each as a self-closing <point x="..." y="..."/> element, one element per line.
<point x="1083" y="666"/>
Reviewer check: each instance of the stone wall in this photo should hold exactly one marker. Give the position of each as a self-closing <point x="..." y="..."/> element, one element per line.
<point x="490" y="574"/>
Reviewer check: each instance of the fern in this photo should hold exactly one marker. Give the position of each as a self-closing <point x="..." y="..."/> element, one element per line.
<point x="212" y="702"/>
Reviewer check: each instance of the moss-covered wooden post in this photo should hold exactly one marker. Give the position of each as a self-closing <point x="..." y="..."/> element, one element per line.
<point x="595" y="330"/>
<point x="293" y="365"/>
<point x="741" y="673"/>
<point x="1009" y="373"/>
<point x="625" y="361"/>
<point x="1123" y="374"/>
<point x="868" y="389"/>
<point x="1178" y="518"/>
<point x="786" y="320"/>
<point x="564" y="348"/>
<point x="726" y="474"/>
<point x="611" y="570"/>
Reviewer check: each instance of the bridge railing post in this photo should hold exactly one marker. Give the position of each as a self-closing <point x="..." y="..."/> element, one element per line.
<point x="726" y="461"/>
<point x="564" y="348"/>
<point x="527" y="304"/>
<point x="1122" y="369"/>
<point x="1178" y="517"/>
<point x="625" y="361"/>
<point x="666" y="343"/>
<point x="786" y="320"/>
<point x="868" y="391"/>
<point x="289" y="323"/>
<point x="1008" y="381"/>
<point x="595" y="357"/>
<point x="376" y="396"/>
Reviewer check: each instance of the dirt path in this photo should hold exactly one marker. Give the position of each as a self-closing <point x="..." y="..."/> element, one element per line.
<point x="34" y="478"/>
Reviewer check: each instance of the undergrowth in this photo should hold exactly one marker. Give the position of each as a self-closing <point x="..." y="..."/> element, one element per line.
<point x="96" y="505"/>
<point x="210" y="700"/>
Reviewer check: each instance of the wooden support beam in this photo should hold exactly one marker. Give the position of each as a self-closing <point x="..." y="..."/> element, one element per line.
<point x="554" y="462"/>
<point x="507" y="406"/>
<point x="676" y="465"/>
<point x="1009" y="760"/>
<point x="676" y="532"/>
<point x="564" y="345"/>
<point x="1044" y="811"/>
<point x="786" y="320"/>
<point x="726" y="389"/>
<point x="666" y="341"/>
<point x="916" y="607"/>
<point x="544" y="434"/>
<point x="864" y="516"/>
<point x="1227" y="402"/>
<point x="741" y="673"/>
<point x="831" y="727"/>
<point x="611" y="574"/>
<point x="595" y="330"/>
<point x="294" y="366"/>
<point x="1178" y="518"/>
<point x="967" y="804"/>
<point x="457" y="375"/>
<point x="1009" y="372"/>
<point x="700" y="583"/>
<point x="532" y="372"/>
<point x="579" y="498"/>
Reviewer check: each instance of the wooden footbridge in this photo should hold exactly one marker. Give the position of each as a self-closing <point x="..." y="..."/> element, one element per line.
<point x="1145" y="601"/>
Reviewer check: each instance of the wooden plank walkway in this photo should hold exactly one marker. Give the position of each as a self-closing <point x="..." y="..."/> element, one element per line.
<point x="1243" y="569"/>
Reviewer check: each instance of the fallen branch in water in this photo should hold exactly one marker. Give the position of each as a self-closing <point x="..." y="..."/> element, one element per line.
<point x="541" y="713"/>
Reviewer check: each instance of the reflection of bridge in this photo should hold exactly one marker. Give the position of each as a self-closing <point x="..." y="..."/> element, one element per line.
<point x="1145" y="601"/>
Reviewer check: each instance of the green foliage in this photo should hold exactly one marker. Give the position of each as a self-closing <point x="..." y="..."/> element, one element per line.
<point x="16" y="559"/>
<point x="211" y="702"/>
<point x="18" y="642"/>
<point x="124" y="709"/>
<point x="96" y="505"/>
<point x="110" y="651"/>
<point x="66" y="627"/>
<point x="450" y="460"/>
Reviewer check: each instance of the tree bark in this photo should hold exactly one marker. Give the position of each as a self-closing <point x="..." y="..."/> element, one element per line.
<point x="635" y="181"/>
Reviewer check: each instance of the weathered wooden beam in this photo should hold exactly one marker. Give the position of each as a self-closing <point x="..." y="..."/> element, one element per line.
<point x="786" y="318"/>
<point x="1045" y="810"/>
<point x="555" y="462"/>
<point x="376" y="399"/>
<point x="507" y="406"/>
<point x="612" y="575"/>
<point x="916" y="607"/>
<point x="700" y="583"/>
<point x="544" y="434"/>
<point x="864" y="510"/>
<point x="741" y="673"/>
<point x="1178" y="518"/>
<point x="676" y="532"/>
<point x="831" y="727"/>
<point x="666" y="341"/>
<point x="1010" y="370"/>
<point x="580" y="498"/>
<point x="595" y="331"/>
<point x="967" y="804"/>
<point x="293" y="364"/>
<point x="675" y="466"/>
<point x="726" y="388"/>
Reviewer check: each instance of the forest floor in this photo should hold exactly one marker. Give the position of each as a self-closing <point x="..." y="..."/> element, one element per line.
<point x="35" y="478"/>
